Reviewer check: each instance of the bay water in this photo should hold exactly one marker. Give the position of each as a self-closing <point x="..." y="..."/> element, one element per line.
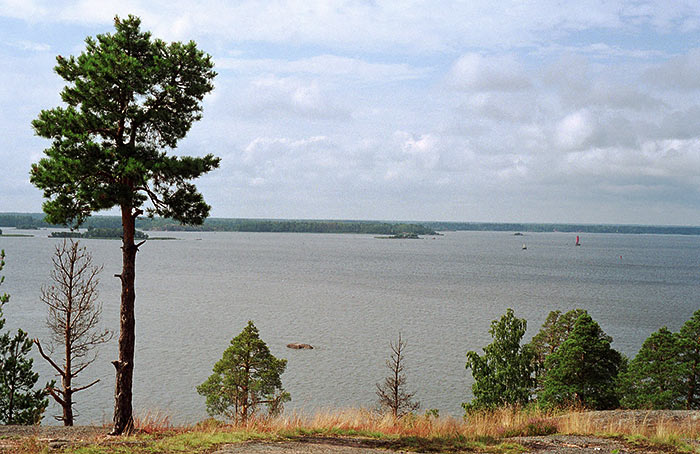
<point x="349" y="296"/>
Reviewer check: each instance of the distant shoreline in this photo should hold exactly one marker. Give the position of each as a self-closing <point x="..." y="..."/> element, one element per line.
<point x="36" y="220"/>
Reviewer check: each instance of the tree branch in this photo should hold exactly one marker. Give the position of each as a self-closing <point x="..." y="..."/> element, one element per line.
<point x="48" y="358"/>
<point x="58" y="398"/>
<point x="75" y="390"/>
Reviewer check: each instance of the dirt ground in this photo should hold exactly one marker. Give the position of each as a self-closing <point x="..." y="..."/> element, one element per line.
<point x="555" y="444"/>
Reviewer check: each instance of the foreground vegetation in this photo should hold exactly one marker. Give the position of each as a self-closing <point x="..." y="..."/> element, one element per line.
<point x="492" y="431"/>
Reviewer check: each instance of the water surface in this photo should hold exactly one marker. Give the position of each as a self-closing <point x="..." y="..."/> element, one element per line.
<point x="349" y="296"/>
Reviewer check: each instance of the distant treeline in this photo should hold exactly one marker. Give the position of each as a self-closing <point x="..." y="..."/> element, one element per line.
<point x="36" y="220"/>
<point x="229" y="225"/>
<point x="101" y="233"/>
<point x="583" y="228"/>
<point x="260" y="225"/>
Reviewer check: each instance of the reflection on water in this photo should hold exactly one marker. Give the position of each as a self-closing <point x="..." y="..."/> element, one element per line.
<point x="349" y="296"/>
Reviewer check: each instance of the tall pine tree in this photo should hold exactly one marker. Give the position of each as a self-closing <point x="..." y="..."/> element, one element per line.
<point x="128" y="99"/>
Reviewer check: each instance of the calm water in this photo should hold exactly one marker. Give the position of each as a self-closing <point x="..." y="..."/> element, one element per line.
<point x="349" y="295"/>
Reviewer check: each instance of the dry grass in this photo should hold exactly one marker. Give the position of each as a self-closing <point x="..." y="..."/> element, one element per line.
<point x="497" y="424"/>
<point x="362" y="422"/>
<point x="650" y="424"/>
<point x="153" y="422"/>
<point x="483" y="431"/>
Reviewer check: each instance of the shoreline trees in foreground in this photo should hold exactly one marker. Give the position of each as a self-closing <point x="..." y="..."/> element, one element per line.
<point x="246" y="377"/>
<point x="571" y="363"/>
<point x="128" y="99"/>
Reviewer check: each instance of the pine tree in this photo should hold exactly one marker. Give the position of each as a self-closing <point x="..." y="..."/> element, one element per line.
<point x="19" y="402"/>
<point x="583" y="370"/>
<point x="247" y="376"/>
<point x="654" y="377"/>
<point x="689" y="339"/>
<point x="504" y="374"/>
<point x="555" y="330"/>
<point x="129" y="98"/>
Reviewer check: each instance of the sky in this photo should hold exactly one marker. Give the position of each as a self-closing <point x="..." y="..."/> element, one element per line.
<point x="582" y="111"/>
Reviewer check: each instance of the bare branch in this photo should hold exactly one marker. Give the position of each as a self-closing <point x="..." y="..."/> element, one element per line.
<point x="73" y="318"/>
<point x="48" y="358"/>
<point x="391" y="393"/>
<point x="75" y="390"/>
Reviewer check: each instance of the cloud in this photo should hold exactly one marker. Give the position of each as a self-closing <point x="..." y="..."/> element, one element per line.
<point x="474" y="72"/>
<point x="325" y="65"/>
<point x="30" y="46"/>
<point x="271" y="95"/>
<point x="679" y="73"/>
<point x="378" y="26"/>
<point x="29" y="10"/>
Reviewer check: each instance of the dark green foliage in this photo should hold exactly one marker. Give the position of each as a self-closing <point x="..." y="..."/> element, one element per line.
<point x="504" y="374"/>
<point x="653" y="379"/>
<point x="553" y="333"/>
<point x="689" y="339"/>
<point x="128" y="98"/>
<point x="247" y="376"/>
<point x="19" y="402"/>
<point x="583" y="370"/>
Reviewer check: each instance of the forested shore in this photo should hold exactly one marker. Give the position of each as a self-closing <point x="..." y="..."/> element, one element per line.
<point x="36" y="220"/>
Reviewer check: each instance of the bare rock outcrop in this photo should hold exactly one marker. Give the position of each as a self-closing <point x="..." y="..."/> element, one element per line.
<point x="299" y="346"/>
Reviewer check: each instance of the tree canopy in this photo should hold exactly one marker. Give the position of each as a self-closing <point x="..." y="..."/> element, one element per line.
<point x="654" y="377"/>
<point x="583" y="370"/>
<point x="128" y="98"/>
<point x="247" y="376"/>
<point x="503" y="375"/>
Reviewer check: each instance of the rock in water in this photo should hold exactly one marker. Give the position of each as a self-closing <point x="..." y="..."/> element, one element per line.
<point x="298" y="346"/>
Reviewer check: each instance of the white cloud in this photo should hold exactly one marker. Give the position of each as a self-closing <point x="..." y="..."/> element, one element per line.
<point x="29" y="10"/>
<point x="325" y="65"/>
<point x="282" y="95"/>
<point x="474" y="72"/>
<point x="30" y="46"/>
<point x="679" y="73"/>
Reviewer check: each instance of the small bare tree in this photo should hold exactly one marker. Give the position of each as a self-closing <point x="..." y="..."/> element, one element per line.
<point x="392" y="394"/>
<point x="73" y="316"/>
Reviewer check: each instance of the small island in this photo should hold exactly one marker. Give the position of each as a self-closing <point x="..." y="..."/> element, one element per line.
<point x="98" y="233"/>
<point x="15" y="234"/>
<point x="400" y="236"/>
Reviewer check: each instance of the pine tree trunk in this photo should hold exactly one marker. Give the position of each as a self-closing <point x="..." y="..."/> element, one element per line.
<point x="123" y="413"/>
